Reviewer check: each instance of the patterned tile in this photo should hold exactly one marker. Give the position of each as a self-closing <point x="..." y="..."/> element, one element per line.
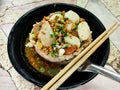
<point x="82" y="3"/>
<point x="20" y="82"/>
<point x="4" y="60"/>
<point x="118" y="17"/>
<point x="18" y="11"/>
<point x="4" y="5"/>
<point x="63" y="1"/>
<point x="7" y="28"/>
<point x="23" y="2"/>
<point x="98" y="9"/>
<point x="113" y="6"/>
<point x="5" y="81"/>
<point x="100" y="83"/>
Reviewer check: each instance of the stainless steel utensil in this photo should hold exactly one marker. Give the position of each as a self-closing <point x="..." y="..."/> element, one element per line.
<point x="89" y="67"/>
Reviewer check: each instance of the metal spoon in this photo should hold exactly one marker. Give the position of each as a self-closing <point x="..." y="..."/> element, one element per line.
<point x="89" y="67"/>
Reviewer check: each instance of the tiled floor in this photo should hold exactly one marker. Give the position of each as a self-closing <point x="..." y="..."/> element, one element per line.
<point x="10" y="10"/>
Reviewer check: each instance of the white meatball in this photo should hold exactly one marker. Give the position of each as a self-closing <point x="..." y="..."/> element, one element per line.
<point x="72" y="40"/>
<point x="45" y="33"/>
<point x="83" y="31"/>
<point x="54" y="16"/>
<point x="71" y="15"/>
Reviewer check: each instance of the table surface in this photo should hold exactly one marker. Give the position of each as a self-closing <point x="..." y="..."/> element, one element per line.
<point x="108" y="11"/>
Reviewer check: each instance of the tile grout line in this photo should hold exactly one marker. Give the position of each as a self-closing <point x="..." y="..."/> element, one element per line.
<point x="115" y="45"/>
<point x="78" y="3"/>
<point x="86" y="4"/>
<point x="117" y="17"/>
<point x="25" y="3"/>
<point x="7" y="8"/>
<point x="115" y="59"/>
<point x="3" y="32"/>
<point x="13" y="6"/>
<point x="4" y="12"/>
<point x="9" y="67"/>
<point x="11" y="78"/>
<point x="110" y="11"/>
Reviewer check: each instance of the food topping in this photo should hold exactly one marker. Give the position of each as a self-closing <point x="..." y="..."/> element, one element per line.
<point x="44" y="34"/>
<point x="58" y="34"/>
<point x="70" y="50"/>
<point x="71" y="15"/>
<point x="56" y="17"/>
<point x="73" y="40"/>
<point x="84" y="31"/>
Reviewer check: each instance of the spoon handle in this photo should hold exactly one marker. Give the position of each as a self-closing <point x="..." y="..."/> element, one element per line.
<point x="101" y="70"/>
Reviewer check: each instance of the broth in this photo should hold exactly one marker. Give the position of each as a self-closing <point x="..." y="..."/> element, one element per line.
<point x="41" y="65"/>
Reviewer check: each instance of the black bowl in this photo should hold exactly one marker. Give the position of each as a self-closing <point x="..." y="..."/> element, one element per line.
<point x="22" y="28"/>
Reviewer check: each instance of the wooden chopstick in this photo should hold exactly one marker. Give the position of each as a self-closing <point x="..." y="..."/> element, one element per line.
<point x="80" y="62"/>
<point x="55" y="82"/>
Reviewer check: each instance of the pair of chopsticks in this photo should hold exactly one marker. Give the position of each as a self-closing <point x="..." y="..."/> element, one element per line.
<point x="66" y="72"/>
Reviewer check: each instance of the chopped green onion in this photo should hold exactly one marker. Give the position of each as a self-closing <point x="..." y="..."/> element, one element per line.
<point x="61" y="26"/>
<point x="52" y="72"/>
<point x="53" y="43"/>
<point x="56" y="34"/>
<point x="64" y="33"/>
<point x="75" y="28"/>
<point x="34" y="62"/>
<point x="41" y="69"/>
<point x="26" y="55"/>
<point x="51" y="53"/>
<point x="54" y="53"/>
<point x="66" y="45"/>
<point x="57" y="30"/>
<point x="61" y="21"/>
<point x="51" y="35"/>
<point x="33" y="55"/>
<point x="33" y="35"/>
<point x="66" y="19"/>
<point x="38" y="41"/>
